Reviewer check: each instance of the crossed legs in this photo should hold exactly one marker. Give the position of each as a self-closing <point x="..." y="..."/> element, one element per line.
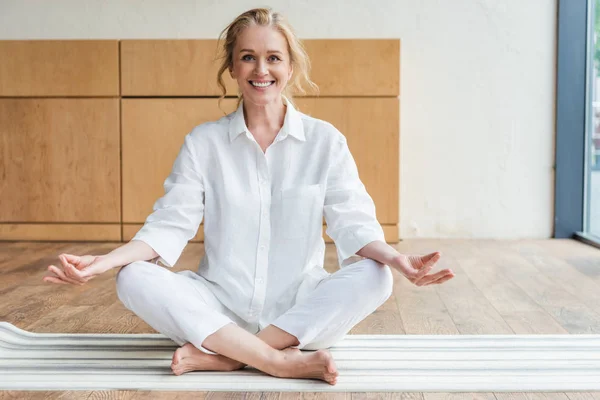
<point x="316" y="322"/>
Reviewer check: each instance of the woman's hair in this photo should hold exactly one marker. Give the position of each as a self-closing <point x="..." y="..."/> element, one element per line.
<point x="265" y="17"/>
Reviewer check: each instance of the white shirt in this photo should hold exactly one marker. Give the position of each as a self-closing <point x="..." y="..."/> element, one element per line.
<point x="263" y="212"/>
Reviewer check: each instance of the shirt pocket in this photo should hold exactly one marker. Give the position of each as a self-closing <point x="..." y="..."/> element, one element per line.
<point x="299" y="207"/>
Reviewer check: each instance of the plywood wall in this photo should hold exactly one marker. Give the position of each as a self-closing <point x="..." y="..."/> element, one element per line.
<point x="73" y="114"/>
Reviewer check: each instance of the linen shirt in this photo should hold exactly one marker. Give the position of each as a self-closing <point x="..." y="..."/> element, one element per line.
<point x="262" y="211"/>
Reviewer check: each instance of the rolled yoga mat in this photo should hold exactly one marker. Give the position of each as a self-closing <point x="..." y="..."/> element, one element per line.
<point x="366" y="363"/>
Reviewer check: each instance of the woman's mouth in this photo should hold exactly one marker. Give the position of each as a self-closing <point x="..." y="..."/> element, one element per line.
<point x="261" y="85"/>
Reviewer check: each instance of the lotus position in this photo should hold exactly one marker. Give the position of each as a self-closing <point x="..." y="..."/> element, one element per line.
<point x="261" y="178"/>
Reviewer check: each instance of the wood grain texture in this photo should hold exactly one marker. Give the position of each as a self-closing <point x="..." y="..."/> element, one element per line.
<point x="568" y="296"/>
<point x="371" y="127"/>
<point x="340" y="67"/>
<point x="171" y="68"/>
<point x="531" y="396"/>
<point x="61" y="232"/>
<point x="28" y="303"/>
<point x="355" y="67"/>
<point x="60" y="160"/>
<point x="59" y="68"/>
<point x="160" y="125"/>
<point x="517" y="308"/>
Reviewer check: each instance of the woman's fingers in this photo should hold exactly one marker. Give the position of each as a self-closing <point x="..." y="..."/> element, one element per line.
<point x="423" y="264"/>
<point x="431" y="259"/>
<point x="429" y="278"/>
<point x="82" y="275"/>
<point x="65" y="262"/>
<point x="77" y="275"/>
<point x="71" y="271"/>
<point x="79" y="262"/>
<point x="422" y="273"/>
<point x="57" y="277"/>
<point x="54" y="280"/>
<point x="73" y="259"/>
<point x="63" y="259"/>
<point x="62" y="275"/>
<point x="437" y="278"/>
<point x="442" y="280"/>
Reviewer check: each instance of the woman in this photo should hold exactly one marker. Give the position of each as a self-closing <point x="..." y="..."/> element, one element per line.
<point x="261" y="178"/>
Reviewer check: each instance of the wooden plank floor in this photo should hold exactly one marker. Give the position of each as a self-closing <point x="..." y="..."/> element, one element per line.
<point x="500" y="287"/>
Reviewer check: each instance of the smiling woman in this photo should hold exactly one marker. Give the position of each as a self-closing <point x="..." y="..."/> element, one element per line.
<point x="260" y="49"/>
<point x="261" y="179"/>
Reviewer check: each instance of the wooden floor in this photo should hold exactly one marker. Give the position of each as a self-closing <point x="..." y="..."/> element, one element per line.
<point x="500" y="287"/>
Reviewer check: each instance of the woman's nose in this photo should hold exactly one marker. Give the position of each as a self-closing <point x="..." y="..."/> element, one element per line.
<point x="261" y="68"/>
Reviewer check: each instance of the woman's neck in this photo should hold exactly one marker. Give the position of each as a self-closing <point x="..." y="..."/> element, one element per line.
<point x="265" y="118"/>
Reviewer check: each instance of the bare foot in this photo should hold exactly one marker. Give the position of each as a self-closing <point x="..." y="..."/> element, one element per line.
<point x="314" y="365"/>
<point x="188" y="358"/>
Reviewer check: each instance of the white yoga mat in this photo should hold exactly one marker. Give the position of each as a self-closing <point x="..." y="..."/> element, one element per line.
<point x="366" y="363"/>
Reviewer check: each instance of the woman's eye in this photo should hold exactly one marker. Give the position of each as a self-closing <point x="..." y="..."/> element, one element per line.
<point x="273" y="58"/>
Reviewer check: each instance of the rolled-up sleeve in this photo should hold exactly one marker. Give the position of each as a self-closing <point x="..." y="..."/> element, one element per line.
<point x="349" y="210"/>
<point x="177" y="215"/>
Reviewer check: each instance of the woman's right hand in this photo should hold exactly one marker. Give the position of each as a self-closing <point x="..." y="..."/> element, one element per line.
<point x="76" y="270"/>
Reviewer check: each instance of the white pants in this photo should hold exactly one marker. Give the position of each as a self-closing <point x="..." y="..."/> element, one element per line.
<point x="180" y="306"/>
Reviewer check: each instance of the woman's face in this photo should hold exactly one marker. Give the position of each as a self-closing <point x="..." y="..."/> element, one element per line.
<point x="261" y="64"/>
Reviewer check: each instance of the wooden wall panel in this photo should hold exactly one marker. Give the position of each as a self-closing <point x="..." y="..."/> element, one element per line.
<point x="153" y="132"/>
<point x="365" y="67"/>
<point x="355" y="67"/>
<point x="59" y="68"/>
<point x="370" y="124"/>
<point x="59" y="160"/>
<point x="61" y="232"/>
<point x="171" y="68"/>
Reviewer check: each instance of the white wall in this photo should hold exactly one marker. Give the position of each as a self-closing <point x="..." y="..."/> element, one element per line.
<point x="477" y="91"/>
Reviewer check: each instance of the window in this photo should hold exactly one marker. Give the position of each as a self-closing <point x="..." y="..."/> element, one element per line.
<point x="592" y="168"/>
<point x="577" y="168"/>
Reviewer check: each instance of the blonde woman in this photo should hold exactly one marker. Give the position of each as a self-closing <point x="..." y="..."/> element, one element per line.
<point x="261" y="178"/>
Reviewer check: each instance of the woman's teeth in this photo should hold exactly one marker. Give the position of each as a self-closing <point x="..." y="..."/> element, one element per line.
<point x="261" y="84"/>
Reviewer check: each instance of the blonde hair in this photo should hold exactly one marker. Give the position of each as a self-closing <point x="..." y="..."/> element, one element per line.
<point x="265" y="17"/>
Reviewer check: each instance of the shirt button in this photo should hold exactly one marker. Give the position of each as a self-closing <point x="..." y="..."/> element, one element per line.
<point x="259" y="280"/>
<point x="262" y="247"/>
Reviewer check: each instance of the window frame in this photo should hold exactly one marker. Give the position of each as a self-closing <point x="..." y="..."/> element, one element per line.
<point x="573" y="118"/>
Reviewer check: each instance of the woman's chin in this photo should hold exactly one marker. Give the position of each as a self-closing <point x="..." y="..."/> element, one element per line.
<point x="261" y="98"/>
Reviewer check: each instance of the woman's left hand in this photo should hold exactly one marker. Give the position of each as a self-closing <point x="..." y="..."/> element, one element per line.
<point x="415" y="269"/>
<point x="76" y="270"/>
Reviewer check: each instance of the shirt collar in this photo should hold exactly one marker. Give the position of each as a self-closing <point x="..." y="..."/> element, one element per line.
<point x="292" y="123"/>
